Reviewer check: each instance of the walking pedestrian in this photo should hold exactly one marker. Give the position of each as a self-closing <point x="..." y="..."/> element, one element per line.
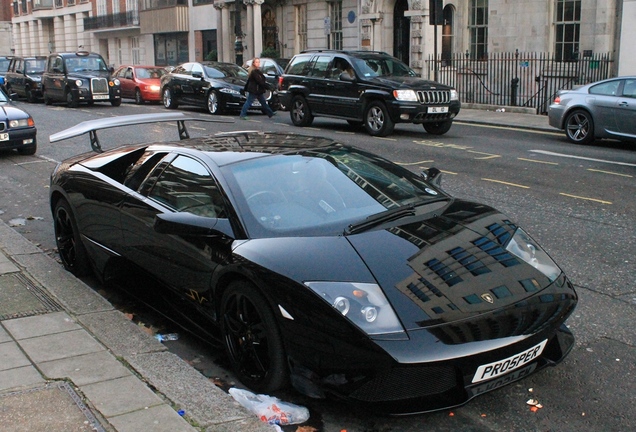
<point x="255" y="88"/>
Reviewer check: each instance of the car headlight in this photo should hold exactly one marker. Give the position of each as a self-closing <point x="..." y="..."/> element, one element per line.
<point x="115" y="82"/>
<point x="21" y="123"/>
<point x="153" y="88"/>
<point x="522" y="246"/>
<point x="454" y="95"/>
<point x="364" y="304"/>
<point x="405" y="95"/>
<point x="230" y="91"/>
<point x="79" y="82"/>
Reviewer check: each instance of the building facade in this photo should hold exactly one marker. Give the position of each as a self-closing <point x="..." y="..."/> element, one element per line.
<point x="168" y="32"/>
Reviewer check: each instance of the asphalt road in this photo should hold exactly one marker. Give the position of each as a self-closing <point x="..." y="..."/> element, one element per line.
<point x="577" y="201"/>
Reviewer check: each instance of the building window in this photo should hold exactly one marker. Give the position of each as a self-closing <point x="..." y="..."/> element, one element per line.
<point x="118" y="48"/>
<point x="115" y="7"/>
<point x="335" y="16"/>
<point x="301" y="26"/>
<point x="134" y="50"/>
<point x="568" y="29"/>
<point x="101" y="8"/>
<point x="478" y="28"/>
<point x="132" y="6"/>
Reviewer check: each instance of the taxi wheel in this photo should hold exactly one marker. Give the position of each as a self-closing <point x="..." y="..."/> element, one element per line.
<point x="71" y="99"/>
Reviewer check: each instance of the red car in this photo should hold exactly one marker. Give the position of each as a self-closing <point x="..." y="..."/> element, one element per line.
<point x="140" y="83"/>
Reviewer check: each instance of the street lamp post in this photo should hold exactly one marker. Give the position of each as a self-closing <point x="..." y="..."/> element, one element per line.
<point x="238" y="43"/>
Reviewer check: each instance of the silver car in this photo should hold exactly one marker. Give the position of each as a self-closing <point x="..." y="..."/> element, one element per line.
<point x="604" y="109"/>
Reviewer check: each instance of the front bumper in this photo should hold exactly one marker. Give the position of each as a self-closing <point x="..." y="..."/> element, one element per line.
<point x="85" y="95"/>
<point x="19" y="138"/>
<point x="414" y="112"/>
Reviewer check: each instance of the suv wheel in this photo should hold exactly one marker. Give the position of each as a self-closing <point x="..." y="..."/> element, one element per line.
<point x="299" y="112"/>
<point x="30" y="96"/>
<point x="377" y="121"/>
<point x="71" y="99"/>
<point x="45" y="96"/>
<point x="438" y="128"/>
<point x="168" y="101"/>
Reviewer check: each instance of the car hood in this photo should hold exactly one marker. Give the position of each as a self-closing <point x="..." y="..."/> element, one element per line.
<point x="10" y="112"/>
<point x="437" y="270"/>
<point x="89" y="74"/>
<point x="407" y="82"/>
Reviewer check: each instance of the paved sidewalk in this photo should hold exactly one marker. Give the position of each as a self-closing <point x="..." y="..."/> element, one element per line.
<point x="70" y="362"/>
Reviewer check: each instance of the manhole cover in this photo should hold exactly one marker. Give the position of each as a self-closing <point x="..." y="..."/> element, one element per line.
<point x="19" y="297"/>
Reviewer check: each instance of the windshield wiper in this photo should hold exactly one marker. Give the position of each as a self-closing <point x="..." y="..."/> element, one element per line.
<point x="380" y="218"/>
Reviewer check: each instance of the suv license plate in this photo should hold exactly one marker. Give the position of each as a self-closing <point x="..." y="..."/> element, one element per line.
<point x="437" y="110"/>
<point x="100" y="97"/>
<point x="501" y="367"/>
<point x="4" y="137"/>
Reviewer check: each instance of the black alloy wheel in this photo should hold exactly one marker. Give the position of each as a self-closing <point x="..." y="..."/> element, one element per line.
<point x="377" y="121"/>
<point x="67" y="237"/>
<point x="115" y="102"/>
<point x="252" y="338"/>
<point x="438" y="128"/>
<point x="300" y="113"/>
<point x="30" y="96"/>
<point x="579" y="127"/>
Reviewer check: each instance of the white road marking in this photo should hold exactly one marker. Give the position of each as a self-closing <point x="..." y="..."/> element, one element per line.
<point x="581" y="158"/>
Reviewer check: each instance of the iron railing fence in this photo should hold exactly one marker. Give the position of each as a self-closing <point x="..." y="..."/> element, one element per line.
<point x="516" y="79"/>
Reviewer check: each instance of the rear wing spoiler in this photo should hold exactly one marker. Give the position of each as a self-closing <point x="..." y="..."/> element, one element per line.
<point x="92" y="126"/>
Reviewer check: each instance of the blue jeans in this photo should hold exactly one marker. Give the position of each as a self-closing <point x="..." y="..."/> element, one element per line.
<point x="264" y="106"/>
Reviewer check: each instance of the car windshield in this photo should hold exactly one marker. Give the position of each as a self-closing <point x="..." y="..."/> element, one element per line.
<point x="35" y="66"/>
<point x="144" y="73"/>
<point x="381" y="66"/>
<point x="321" y="193"/>
<point x="85" y="64"/>
<point x="225" y="70"/>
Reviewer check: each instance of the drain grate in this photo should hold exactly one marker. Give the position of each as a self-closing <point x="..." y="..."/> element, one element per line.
<point x="44" y="406"/>
<point x="20" y="297"/>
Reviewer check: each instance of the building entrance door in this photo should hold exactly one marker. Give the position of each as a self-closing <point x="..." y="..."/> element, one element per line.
<point x="401" y="31"/>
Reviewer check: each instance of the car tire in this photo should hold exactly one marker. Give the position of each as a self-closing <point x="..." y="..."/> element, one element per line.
<point x="377" y="121"/>
<point x="252" y="338"/>
<point x="69" y="243"/>
<point x="438" y="128"/>
<point x="115" y="102"/>
<point x="28" y="150"/>
<point x="138" y="97"/>
<point x="71" y="99"/>
<point x="214" y="104"/>
<point x="300" y="113"/>
<point x="168" y="100"/>
<point x="579" y="127"/>
<point x="47" y="99"/>
<point x="30" y="97"/>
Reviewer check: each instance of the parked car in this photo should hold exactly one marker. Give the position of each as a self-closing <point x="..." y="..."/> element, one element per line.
<point x="216" y="86"/>
<point x="79" y="77"/>
<point x="604" y="109"/>
<point x="24" y="77"/>
<point x="4" y="66"/>
<point x="141" y="83"/>
<point x="318" y="264"/>
<point x="273" y="69"/>
<point x="17" y="128"/>
<point x="365" y="88"/>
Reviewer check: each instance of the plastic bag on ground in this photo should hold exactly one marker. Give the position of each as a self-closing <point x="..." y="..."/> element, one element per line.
<point x="269" y="409"/>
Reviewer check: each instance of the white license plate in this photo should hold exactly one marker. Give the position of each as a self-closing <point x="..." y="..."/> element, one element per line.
<point x="503" y="380"/>
<point x="4" y="137"/>
<point x="501" y="367"/>
<point x="437" y="110"/>
<point x="100" y="97"/>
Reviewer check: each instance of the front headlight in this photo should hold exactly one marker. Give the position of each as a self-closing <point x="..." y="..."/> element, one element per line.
<point x="21" y="123"/>
<point x="79" y="82"/>
<point x="454" y="95"/>
<point x="229" y="90"/>
<point x="115" y="82"/>
<point x="405" y="95"/>
<point x="364" y="304"/>
<point x="153" y="88"/>
<point x="522" y="246"/>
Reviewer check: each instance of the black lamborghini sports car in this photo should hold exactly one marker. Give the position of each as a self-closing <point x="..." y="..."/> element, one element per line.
<point x="321" y="266"/>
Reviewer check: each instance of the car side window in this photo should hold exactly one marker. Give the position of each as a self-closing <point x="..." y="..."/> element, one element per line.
<point x="187" y="186"/>
<point x="606" y="89"/>
<point x="629" y="90"/>
<point x="197" y="68"/>
<point x="268" y="66"/>
<point x="129" y="73"/>
<point x="299" y="65"/>
<point x="319" y="68"/>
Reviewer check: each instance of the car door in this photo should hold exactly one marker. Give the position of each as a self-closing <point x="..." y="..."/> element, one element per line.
<point x="603" y="101"/>
<point x="126" y="77"/>
<point x="626" y="109"/>
<point x="185" y="263"/>
<point x="317" y="82"/>
<point x="200" y="85"/>
<point x="341" y="95"/>
<point x="54" y="82"/>
<point x="13" y="78"/>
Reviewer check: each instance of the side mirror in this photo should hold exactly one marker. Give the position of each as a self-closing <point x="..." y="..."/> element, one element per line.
<point x="188" y="224"/>
<point x="197" y="75"/>
<point x="433" y="176"/>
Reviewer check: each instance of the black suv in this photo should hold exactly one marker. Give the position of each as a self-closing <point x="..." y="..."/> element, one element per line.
<point x="24" y="77"/>
<point x="76" y="77"/>
<point x="364" y="87"/>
